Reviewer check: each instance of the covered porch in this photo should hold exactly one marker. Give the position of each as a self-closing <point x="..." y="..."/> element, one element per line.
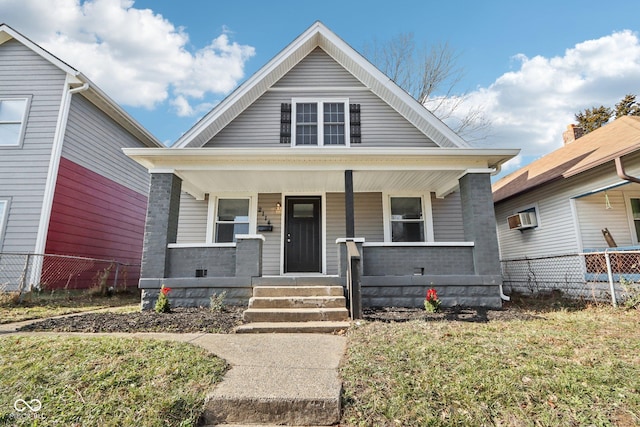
<point x="231" y="219"/>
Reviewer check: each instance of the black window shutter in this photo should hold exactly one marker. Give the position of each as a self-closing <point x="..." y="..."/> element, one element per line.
<point x="354" y="120"/>
<point x="285" y="123"/>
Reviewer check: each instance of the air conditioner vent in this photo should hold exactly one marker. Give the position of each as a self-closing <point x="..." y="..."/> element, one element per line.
<point x="522" y="221"/>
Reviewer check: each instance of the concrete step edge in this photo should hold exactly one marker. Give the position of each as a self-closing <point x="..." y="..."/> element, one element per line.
<point x="298" y="302"/>
<point x="319" y="326"/>
<point x="273" y="291"/>
<point x="281" y="411"/>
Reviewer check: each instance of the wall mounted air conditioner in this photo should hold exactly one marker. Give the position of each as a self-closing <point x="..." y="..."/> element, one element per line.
<point x="522" y="221"/>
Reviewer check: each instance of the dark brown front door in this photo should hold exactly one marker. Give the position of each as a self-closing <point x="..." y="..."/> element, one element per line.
<point x="302" y="235"/>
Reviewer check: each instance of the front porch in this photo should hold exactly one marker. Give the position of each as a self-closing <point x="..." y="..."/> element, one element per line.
<point x="221" y="222"/>
<point x="394" y="275"/>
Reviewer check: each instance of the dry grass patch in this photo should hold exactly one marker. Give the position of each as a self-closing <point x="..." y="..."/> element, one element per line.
<point x="38" y="305"/>
<point x="558" y="368"/>
<point x="104" y="381"/>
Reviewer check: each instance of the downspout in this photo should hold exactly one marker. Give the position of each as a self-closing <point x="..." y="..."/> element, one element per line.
<point x="621" y="172"/>
<point x="52" y="174"/>
<point x="502" y="295"/>
<point x="497" y="169"/>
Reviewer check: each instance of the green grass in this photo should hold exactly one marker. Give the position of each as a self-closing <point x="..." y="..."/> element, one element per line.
<point x="104" y="381"/>
<point x="563" y="368"/>
<point x="38" y="305"/>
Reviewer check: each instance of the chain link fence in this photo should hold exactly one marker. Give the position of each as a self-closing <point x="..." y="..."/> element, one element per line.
<point x="597" y="276"/>
<point x="27" y="272"/>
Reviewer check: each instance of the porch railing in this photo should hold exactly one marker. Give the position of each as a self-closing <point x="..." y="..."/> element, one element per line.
<point x="354" y="273"/>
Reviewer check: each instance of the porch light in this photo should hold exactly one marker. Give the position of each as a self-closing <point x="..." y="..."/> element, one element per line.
<point x="278" y="206"/>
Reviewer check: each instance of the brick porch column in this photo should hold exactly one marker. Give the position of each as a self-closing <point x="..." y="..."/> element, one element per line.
<point x="161" y="226"/>
<point x="479" y="222"/>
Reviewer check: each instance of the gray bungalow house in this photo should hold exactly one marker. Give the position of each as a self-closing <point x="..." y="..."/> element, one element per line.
<point x="318" y="148"/>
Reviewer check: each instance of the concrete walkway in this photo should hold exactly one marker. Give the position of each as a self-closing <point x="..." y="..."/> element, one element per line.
<point x="283" y="379"/>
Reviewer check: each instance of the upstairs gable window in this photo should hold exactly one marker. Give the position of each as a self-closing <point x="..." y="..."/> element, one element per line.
<point x="320" y="122"/>
<point x="12" y="118"/>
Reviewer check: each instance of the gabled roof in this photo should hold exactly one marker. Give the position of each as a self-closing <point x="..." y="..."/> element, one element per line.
<point x="616" y="139"/>
<point x="318" y="35"/>
<point x="93" y="92"/>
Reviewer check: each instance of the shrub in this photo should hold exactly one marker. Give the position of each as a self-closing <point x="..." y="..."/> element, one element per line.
<point x="216" y="302"/>
<point x="162" y="304"/>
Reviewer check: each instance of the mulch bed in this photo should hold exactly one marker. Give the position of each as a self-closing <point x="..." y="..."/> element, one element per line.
<point x="179" y="320"/>
<point x="186" y="320"/>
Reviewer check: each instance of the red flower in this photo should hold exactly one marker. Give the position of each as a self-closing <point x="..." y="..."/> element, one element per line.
<point x="432" y="295"/>
<point x="165" y="291"/>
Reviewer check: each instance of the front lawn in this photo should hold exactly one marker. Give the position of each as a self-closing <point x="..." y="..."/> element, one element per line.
<point x="39" y="305"/>
<point x="557" y="368"/>
<point x="103" y="381"/>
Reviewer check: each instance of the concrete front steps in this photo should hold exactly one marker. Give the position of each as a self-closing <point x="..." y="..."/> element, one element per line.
<point x="291" y="308"/>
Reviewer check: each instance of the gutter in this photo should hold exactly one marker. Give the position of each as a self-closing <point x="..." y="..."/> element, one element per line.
<point x="622" y="173"/>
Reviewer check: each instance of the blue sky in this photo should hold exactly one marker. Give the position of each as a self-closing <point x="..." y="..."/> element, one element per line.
<point x="529" y="65"/>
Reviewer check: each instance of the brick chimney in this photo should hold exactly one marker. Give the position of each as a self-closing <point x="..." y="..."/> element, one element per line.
<point x="572" y="133"/>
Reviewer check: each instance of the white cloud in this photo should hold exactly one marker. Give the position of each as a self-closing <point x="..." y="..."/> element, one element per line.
<point x="531" y="106"/>
<point x="135" y="55"/>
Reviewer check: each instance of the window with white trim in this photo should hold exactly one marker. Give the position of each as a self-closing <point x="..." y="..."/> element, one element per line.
<point x="231" y="219"/>
<point x="634" y="205"/>
<point x="407" y="219"/>
<point x="12" y="118"/>
<point x="320" y="122"/>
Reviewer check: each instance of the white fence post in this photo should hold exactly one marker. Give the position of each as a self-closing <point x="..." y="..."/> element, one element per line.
<point x="610" y="275"/>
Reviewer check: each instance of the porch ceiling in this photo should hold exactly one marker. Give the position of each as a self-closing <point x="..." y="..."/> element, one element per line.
<point x="287" y="169"/>
<point x="199" y="183"/>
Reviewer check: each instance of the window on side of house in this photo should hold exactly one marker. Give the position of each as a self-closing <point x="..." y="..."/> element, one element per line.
<point x="635" y="216"/>
<point x="320" y="122"/>
<point x="12" y="118"/>
<point x="407" y="219"/>
<point x="232" y="218"/>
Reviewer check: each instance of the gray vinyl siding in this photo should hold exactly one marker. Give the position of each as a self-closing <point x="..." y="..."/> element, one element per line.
<point x="95" y="141"/>
<point x="259" y="124"/>
<point x="318" y="69"/>
<point x="368" y="216"/>
<point x="447" y="218"/>
<point x="368" y="222"/>
<point x="557" y="231"/>
<point x="271" y="250"/>
<point x="23" y="170"/>
<point x="192" y="222"/>
<point x="335" y="229"/>
<point x="593" y="216"/>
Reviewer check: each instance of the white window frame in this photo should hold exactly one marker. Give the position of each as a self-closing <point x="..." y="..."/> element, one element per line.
<point x="632" y="227"/>
<point x="427" y="216"/>
<point x="22" y="122"/>
<point x="4" y="214"/>
<point x="213" y="212"/>
<point x="320" y="124"/>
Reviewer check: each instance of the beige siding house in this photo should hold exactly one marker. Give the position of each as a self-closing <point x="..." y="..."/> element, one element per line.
<point x="574" y="195"/>
<point x="317" y="148"/>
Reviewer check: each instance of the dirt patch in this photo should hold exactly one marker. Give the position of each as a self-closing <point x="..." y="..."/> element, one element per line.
<point x="180" y="320"/>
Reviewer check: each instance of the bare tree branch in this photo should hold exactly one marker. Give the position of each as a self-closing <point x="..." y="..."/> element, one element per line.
<point x="431" y="75"/>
